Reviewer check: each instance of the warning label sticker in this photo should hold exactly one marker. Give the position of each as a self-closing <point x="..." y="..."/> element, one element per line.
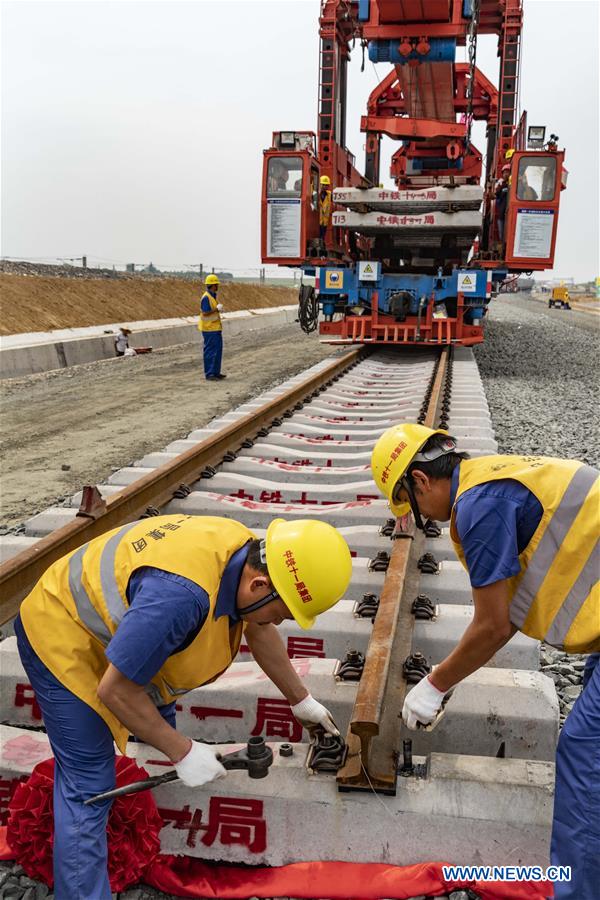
<point x="467" y="282"/>
<point x="368" y="270"/>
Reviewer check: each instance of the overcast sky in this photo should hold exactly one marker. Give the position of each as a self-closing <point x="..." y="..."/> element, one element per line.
<point x="133" y="131"/>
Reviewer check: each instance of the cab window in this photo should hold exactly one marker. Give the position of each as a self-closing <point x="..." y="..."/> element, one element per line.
<point x="536" y="178"/>
<point x="284" y="176"/>
<point x="314" y="190"/>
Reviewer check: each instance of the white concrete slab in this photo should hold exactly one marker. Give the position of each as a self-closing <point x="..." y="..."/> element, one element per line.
<point x="495" y="811"/>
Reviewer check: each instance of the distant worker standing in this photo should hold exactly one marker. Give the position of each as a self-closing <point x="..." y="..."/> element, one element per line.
<point x="212" y="329"/>
<point x="324" y="208"/>
<point x="501" y="192"/>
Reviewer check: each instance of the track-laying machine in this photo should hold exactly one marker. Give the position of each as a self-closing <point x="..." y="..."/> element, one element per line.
<point x="416" y="264"/>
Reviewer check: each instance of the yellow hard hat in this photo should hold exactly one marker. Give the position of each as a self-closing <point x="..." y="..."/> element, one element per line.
<point x="393" y="453"/>
<point x="324" y="179"/>
<point x="309" y="564"/>
<point x="212" y="279"/>
<point x="509" y="154"/>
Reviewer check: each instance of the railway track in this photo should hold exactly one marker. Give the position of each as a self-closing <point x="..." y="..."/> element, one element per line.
<point x="479" y="785"/>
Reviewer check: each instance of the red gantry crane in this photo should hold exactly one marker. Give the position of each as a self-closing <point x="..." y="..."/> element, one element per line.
<point x="416" y="264"/>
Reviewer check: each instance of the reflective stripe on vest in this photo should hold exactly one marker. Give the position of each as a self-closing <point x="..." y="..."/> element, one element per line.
<point x="154" y="694"/>
<point x="114" y="602"/>
<point x="110" y="589"/>
<point x="575" y="600"/>
<point x="556" y="595"/>
<point x="75" y="608"/>
<point x="556" y="531"/>
<point x="85" y="610"/>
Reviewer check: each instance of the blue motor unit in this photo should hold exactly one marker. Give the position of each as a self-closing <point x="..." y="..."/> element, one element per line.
<point x="387" y="51"/>
<point x="399" y="294"/>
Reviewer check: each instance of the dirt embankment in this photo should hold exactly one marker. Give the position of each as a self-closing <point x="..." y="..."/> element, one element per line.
<point x="42" y="303"/>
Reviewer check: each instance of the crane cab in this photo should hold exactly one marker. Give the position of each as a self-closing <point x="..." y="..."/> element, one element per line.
<point x="536" y="181"/>
<point x="290" y="198"/>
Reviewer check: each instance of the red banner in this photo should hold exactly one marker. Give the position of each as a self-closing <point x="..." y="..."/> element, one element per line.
<point x="188" y="877"/>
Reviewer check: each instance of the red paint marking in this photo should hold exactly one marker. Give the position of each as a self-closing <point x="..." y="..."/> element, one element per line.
<point x="230" y="821"/>
<point x="300" y="647"/>
<point x="203" y="712"/>
<point x="274" y="718"/>
<point x="25" y="696"/>
<point x="26" y="750"/>
<point x="230" y="674"/>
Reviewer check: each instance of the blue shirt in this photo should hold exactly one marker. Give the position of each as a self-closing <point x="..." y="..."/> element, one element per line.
<point x="205" y="304"/>
<point x="165" y="614"/>
<point x="495" y="522"/>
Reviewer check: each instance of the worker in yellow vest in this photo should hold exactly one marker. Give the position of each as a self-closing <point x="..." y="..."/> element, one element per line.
<point x="114" y="632"/>
<point x="526" y="528"/>
<point x="324" y="208"/>
<point x="212" y="329"/>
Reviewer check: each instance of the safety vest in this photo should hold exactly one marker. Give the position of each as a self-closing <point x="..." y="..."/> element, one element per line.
<point x="77" y="605"/>
<point x="324" y="208"/>
<point x="556" y="595"/>
<point x="210" y="321"/>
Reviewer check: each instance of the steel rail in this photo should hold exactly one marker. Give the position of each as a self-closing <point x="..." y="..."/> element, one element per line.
<point x="19" y="574"/>
<point x="373" y="733"/>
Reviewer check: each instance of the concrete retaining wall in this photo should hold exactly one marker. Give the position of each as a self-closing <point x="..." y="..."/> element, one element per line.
<point x="43" y="356"/>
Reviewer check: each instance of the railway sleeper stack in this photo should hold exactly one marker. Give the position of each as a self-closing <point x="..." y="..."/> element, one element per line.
<point x="413" y="217"/>
<point x="481" y="786"/>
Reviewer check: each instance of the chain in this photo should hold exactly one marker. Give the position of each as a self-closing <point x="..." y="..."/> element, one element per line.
<point x="472" y="56"/>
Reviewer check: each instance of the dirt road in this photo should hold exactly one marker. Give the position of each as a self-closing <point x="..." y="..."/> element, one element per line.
<point x="71" y="427"/>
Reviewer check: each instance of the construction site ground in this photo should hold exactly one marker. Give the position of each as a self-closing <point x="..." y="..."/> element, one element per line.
<point x="70" y="427"/>
<point x="43" y="303"/>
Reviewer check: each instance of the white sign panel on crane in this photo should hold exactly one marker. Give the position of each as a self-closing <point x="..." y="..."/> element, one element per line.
<point x="283" y="228"/>
<point x="369" y="270"/>
<point x="467" y="282"/>
<point x="533" y="234"/>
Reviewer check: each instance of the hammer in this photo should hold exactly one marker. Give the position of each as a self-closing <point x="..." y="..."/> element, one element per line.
<point x="256" y="758"/>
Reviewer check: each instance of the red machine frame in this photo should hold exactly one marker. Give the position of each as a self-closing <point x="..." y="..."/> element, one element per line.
<point x="309" y="213"/>
<point x="383" y="329"/>
<point x="519" y="206"/>
<point x="431" y="112"/>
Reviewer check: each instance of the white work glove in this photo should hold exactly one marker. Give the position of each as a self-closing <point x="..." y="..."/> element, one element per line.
<point x="422" y="704"/>
<point x="311" y="713"/>
<point x="220" y="307"/>
<point x="199" y="766"/>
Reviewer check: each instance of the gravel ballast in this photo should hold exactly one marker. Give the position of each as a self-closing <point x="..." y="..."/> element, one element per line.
<point x="540" y="373"/>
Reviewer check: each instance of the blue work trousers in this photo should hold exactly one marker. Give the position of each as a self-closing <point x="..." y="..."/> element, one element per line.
<point x="84" y="754"/>
<point x="576" y="822"/>
<point x="213" y="352"/>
